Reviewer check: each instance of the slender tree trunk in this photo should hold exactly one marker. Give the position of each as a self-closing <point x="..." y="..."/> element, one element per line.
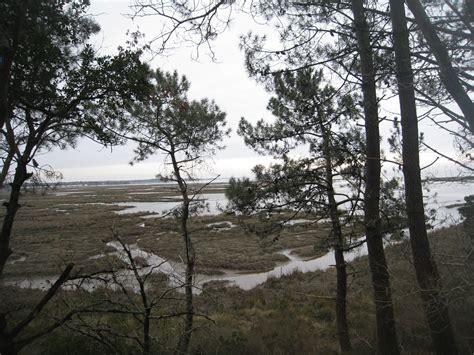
<point x="146" y="306"/>
<point x="146" y="332"/>
<point x="5" y="67"/>
<point x="183" y="345"/>
<point x="426" y="272"/>
<point x="146" y="345"/>
<point x="12" y="207"/>
<point x="341" y="272"/>
<point x="8" y="48"/>
<point x="188" y="328"/>
<point x="19" y="178"/>
<point x="448" y="74"/>
<point x="386" y="331"/>
<point x="6" y="167"/>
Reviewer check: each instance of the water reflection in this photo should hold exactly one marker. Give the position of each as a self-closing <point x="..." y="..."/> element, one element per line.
<point x="214" y="204"/>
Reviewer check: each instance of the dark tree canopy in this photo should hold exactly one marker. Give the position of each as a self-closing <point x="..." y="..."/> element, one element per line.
<point x="59" y="89"/>
<point x="166" y="120"/>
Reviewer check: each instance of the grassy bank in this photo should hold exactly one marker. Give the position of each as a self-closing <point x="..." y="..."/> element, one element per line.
<point x="73" y="225"/>
<point x="293" y="314"/>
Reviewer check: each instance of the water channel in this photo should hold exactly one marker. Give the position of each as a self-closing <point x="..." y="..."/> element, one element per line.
<point x="447" y="195"/>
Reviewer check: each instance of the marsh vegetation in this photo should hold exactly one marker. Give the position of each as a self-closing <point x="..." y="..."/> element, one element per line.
<point x="186" y="266"/>
<point x="291" y="313"/>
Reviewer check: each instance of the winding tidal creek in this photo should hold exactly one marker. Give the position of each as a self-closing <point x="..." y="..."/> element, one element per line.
<point x="174" y="271"/>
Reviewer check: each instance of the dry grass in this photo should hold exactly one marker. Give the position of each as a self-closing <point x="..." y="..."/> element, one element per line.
<point x="73" y="224"/>
<point x="296" y="313"/>
<point x="293" y="314"/>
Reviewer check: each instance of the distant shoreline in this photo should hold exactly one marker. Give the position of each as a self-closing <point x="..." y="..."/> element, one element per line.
<point x="450" y="179"/>
<point x="221" y="180"/>
<point x="134" y="182"/>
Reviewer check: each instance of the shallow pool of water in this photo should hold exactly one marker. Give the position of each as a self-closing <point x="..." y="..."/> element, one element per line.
<point x="175" y="271"/>
<point x="215" y="203"/>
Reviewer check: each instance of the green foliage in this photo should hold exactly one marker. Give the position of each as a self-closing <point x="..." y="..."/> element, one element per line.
<point x="166" y="120"/>
<point x="242" y="195"/>
<point x="467" y="211"/>
<point x="392" y="204"/>
<point x="317" y="117"/>
<point x="60" y="88"/>
<point x="301" y="104"/>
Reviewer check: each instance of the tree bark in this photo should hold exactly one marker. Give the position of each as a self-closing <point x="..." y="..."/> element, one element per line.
<point x="146" y="332"/>
<point x="386" y="331"/>
<point x="183" y="345"/>
<point x="341" y="273"/>
<point x="7" y="54"/>
<point x="12" y="207"/>
<point x="426" y="272"/>
<point x="6" y="167"/>
<point x="448" y="74"/>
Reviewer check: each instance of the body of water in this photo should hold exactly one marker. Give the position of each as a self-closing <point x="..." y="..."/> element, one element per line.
<point x="441" y="196"/>
<point x="212" y="205"/>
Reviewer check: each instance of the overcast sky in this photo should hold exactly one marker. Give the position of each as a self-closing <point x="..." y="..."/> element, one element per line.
<point x="225" y="81"/>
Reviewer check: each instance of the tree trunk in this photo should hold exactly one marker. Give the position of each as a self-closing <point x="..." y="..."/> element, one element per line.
<point x="146" y="332"/>
<point x="341" y="273"/>
<point x="183" y="345"/>
<point x="6" y="167"/>
<point x="12" y="207"/>
<point x="448" y="74"/>
<point x="5" y="66"/>
<point x="386" y="331"/>
<point x="8" y="48"/>
<point x="426" y="272"/>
